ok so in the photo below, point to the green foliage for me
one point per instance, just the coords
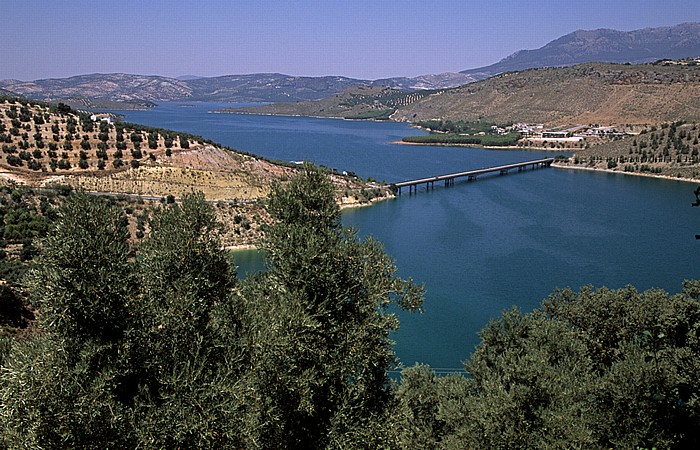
(594, 369)
(60, 386)
(132, 354)
(319, 325)
(379, 114)
(186, 338)
(490, 140)
(83, 279)
(428, 411)
(21, 223)
(459, 126)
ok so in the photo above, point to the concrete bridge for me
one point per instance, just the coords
(449, 179)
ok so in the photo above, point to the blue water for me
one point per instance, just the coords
(479, 247)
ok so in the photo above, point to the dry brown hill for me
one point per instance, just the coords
(43, 145)
(587, 93)
(614, 94)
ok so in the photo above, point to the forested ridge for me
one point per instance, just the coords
(160, 346)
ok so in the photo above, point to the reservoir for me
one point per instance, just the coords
(479, 247)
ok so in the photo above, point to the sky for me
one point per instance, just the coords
(366, 39)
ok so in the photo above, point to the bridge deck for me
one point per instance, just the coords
(544, 162)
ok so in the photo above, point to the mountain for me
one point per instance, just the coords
(101, 104)
(426, 82)
(260, 87)
(587, 93)
(268, 87)
(115, 87)
(603, 45)
(605, 93)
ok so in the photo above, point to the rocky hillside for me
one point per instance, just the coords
(43, 145)
(588, 93)
(603, 45)
(426, 82)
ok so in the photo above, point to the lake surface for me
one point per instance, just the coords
(479, 247)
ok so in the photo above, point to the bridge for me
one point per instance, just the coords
(449, 179)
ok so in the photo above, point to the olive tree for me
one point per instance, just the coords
(318, 325)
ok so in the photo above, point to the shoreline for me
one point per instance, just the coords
(219, 111)
(621, 172)
(342, 206)
(488, 147)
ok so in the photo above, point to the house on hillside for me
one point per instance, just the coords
(101, 118)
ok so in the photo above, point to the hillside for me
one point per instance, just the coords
(364, 102)
(100, 104)
(588, 93)
(426, 82)
(45, 146)
(668, 150)
(115, 87)
(603, 45)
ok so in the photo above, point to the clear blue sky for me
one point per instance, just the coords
(363, 39)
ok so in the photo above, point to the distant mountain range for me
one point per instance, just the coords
(601, 45)
(259, 87)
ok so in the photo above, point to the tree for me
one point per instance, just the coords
(133, 354)
(533, 379)
(318, 325)
(186, 340)
(58, 388)
(593, 369)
